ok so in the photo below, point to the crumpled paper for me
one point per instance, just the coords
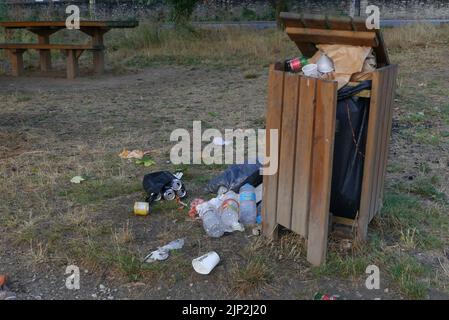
(347, 59)
(77, 179)
(134, 154)
(162, 253)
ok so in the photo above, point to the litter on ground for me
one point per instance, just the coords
(162, 253)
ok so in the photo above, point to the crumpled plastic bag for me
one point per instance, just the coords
(162, 253)
(235, 176)
(347, 60)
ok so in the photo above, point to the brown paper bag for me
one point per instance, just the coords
(347, 60)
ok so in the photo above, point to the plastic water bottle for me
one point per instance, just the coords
(212, 222)
(229, 211)
(248, 207)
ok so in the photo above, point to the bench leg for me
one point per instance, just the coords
(98, 61)
(44, 55)
(43, 37)
(72, 64)
(17, 61)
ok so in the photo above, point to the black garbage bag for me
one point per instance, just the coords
(235, 176)
(154, 183)
(349, 150)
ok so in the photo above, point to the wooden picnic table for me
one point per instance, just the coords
(44, 29)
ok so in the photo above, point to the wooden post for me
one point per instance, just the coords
(17, 61)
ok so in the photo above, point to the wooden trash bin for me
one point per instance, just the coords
(303, 109)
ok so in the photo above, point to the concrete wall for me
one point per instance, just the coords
(226, 9)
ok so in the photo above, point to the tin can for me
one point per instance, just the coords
(176, 184)
(169, 194)
(296, 64)
(158, 197)
(141, 208)
(181, 193)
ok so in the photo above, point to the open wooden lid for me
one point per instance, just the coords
(306, 30)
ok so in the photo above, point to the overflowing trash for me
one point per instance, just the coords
(234, 177)
(220, 214)
(342, 63)
(162, 253)
(206, 263)
(163, 185)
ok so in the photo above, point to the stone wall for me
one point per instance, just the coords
(220, 10)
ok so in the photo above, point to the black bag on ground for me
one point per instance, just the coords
(154, 182)
(349, 150)
(235, 176)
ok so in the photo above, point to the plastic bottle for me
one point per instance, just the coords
(211, 221)
(248, 207)
(229, 213)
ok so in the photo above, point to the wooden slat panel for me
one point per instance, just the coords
(287, 150)
(369, 163)
(303, 161)
(380, 135)
(273, 121)
(321, 21)
(322, 36)
(62, 24)
(391, 77)
(323, 145)
(341, 23)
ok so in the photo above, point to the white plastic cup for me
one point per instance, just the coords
(310, 70)
(206, 263)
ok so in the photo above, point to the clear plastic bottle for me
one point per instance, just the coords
(229, 211)
(248, 207)
(212, 222)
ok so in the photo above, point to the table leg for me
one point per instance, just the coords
(43, 37)
(44, 55)
(97, 40)
(17, 61)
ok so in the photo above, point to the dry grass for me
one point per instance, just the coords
(251, 277)
(151, 44)
(417, 35)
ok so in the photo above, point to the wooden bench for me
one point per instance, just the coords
(71, 51)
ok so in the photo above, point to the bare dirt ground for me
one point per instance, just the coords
(52, 129)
